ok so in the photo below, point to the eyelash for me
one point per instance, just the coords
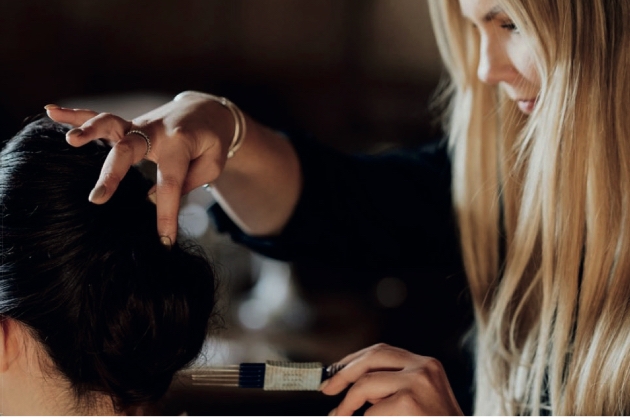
(509, 26)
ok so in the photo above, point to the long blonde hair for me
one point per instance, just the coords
(543, 208)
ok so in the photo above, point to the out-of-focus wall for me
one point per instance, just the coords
(354, 72)
(401, 42)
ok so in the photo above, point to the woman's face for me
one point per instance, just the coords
(505, 57)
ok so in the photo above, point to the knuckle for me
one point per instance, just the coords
(188, 95)
(406, 397)
(363, 381)
(170, 184)
(380, 346)
(104, 124)
(100, 118)
(433, 366)
(124, 147)
(111, 179)
(182, 133)
(429, 371)
(406, 401)
(376, 350)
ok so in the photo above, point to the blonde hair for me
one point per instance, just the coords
(543, 208)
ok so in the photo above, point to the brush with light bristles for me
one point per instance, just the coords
(271, 375)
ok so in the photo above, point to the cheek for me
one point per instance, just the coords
(524, 62)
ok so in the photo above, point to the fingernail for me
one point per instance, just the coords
(323, 385)
(166, 241)
(52, 106)
(97, 193)
(152, 198)
(75, 131)
(332, 413)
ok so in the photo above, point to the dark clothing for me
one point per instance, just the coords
(361, 218)
(390, 210)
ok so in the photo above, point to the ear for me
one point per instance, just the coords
(10, 333)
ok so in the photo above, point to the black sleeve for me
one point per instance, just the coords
(383, 210)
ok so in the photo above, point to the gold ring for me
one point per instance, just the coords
(143, 135)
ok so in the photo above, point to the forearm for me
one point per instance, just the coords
(260, 186)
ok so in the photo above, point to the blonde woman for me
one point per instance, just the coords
(536, 116)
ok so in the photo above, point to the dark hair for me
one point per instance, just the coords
(116, 311)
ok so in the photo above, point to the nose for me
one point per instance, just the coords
(494, 64)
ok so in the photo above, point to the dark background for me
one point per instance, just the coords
(354, 72)
(358, 74)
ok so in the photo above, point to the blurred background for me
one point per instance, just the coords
(354, 72)
(358, 74)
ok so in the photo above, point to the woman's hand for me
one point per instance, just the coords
(190, 137)
(394, 381)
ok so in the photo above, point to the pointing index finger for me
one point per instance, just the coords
(171, 172)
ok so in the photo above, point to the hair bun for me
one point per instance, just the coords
(116, 311)
(145, 321)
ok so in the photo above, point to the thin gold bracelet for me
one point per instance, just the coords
(240, 127)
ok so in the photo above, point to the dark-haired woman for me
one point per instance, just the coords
(96, 315)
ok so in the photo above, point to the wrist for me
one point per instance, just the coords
(239, 124)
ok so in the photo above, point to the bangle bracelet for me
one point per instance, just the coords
(240, 128)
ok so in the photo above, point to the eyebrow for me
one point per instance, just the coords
(492, 13)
